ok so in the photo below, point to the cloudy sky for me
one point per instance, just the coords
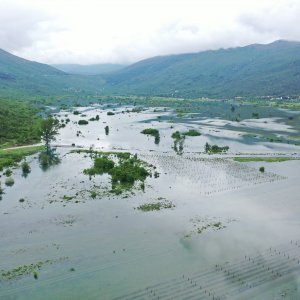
(125, 31)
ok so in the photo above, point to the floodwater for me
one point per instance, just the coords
(105, 248)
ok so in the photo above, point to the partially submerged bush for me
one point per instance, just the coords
(262, 169)
(9, 181)
(25, 167)
(8, 172)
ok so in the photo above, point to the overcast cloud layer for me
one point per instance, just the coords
(125, 31)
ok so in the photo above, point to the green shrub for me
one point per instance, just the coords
(262, 169)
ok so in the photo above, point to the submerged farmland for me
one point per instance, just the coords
(125, 214)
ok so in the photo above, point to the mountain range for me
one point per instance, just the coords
(254, 70)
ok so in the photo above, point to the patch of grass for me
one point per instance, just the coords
(264, 159)
(155, 206)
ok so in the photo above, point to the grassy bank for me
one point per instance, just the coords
(11, 157)
(264, 159)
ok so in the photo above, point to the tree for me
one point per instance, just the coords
(106, 130)
(49, 130)
(207, 147)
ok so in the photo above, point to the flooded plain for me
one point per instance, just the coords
(231, 231)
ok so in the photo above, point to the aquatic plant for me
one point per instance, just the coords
(155, 206)
(262, 169)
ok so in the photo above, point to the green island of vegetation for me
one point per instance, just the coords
(124, 168)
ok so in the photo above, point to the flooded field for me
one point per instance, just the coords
(195, 225)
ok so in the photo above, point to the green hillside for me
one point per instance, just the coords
(255, 70)
(21, 77)
(96, 69)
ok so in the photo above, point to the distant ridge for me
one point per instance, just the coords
(254, 70)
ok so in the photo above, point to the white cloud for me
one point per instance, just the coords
(124, 31)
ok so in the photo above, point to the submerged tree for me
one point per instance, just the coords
(49, 130)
